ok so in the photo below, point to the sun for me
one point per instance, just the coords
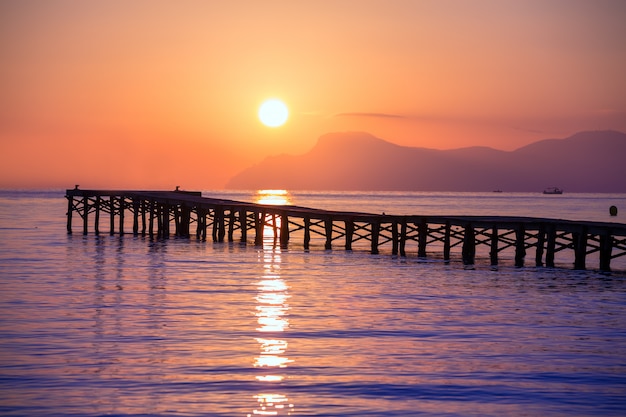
(273, 113)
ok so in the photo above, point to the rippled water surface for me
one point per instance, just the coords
(109, 325)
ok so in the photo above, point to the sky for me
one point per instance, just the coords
(153, 94)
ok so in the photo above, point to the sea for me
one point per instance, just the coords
(132, 326)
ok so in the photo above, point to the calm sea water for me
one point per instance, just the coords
(103, 325)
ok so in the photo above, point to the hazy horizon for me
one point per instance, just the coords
(153, 94)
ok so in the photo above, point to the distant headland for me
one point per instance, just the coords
(591, 161)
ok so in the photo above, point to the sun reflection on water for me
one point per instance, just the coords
(273, 197)
(272, 311)
(272, 221)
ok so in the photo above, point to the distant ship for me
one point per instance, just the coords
(553, 190)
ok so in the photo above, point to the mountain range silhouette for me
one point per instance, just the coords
(593, 161)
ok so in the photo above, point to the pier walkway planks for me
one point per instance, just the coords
(159, 214)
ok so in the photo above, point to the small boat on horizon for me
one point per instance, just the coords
(553, 190)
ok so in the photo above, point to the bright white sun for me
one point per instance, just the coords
(273, 113)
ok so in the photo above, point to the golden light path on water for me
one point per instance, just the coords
(275, 197)
(272, 313)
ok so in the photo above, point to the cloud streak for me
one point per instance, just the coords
(374, 115)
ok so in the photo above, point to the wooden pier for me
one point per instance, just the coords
(161, 214)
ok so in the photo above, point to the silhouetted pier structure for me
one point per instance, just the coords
(159, 214)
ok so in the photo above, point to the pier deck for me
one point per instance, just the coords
(160, 214)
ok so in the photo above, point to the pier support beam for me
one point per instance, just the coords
(144, 208)
(135, 216)
(232, 217)
(243, 224)
(422, 235)
(375, 235)
(85, 214)
(111, 215)
(284, 230)
(403, 237)
(469, 246)
(184, 221)
(606, 245)
(221, 224)
(307, 232)
(122, 215)
(70, 210)
(259, 225)
(493, 251)
(349, 224)
(394, 238)
(152, 209)
(165, 221)
(580, 248)
(274, 227)
(328, 227)
(446, 242)
(541, 241)
(520, 246)
(159, 217)
(96, 223)
(550, 245)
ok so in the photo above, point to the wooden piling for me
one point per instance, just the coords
(394, 238)
(112, 215)
(221, 227)
(550, 245)
(185, 220)
(70, 210)
(493, 252)
(307, 232)
(349, 226)
(274, 226)
(469, 245)
(520, 245)
(159, 217)
(606, 246)
(151, 219)
(580, 248)
(403, 237)
(375, 235)
(541, 241)
(328, 228)
(232, 217)
(135, 216)
(165, 221)
(144, 208)
(96, 222)
(122, 206)
(85, 215)
(243, 224)
(446, 241)
(284, 230)
(259, 225)
(422, 236)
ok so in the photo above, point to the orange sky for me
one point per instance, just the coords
(153, 94)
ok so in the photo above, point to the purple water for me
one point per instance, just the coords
(103, 325)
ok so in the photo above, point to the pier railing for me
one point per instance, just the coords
(161, 214)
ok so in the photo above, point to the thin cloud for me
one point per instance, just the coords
(377, 115)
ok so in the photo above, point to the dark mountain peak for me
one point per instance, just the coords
(595, 135)
(586, 138)
(585, 162)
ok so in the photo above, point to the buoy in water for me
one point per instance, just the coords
(613, 211)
